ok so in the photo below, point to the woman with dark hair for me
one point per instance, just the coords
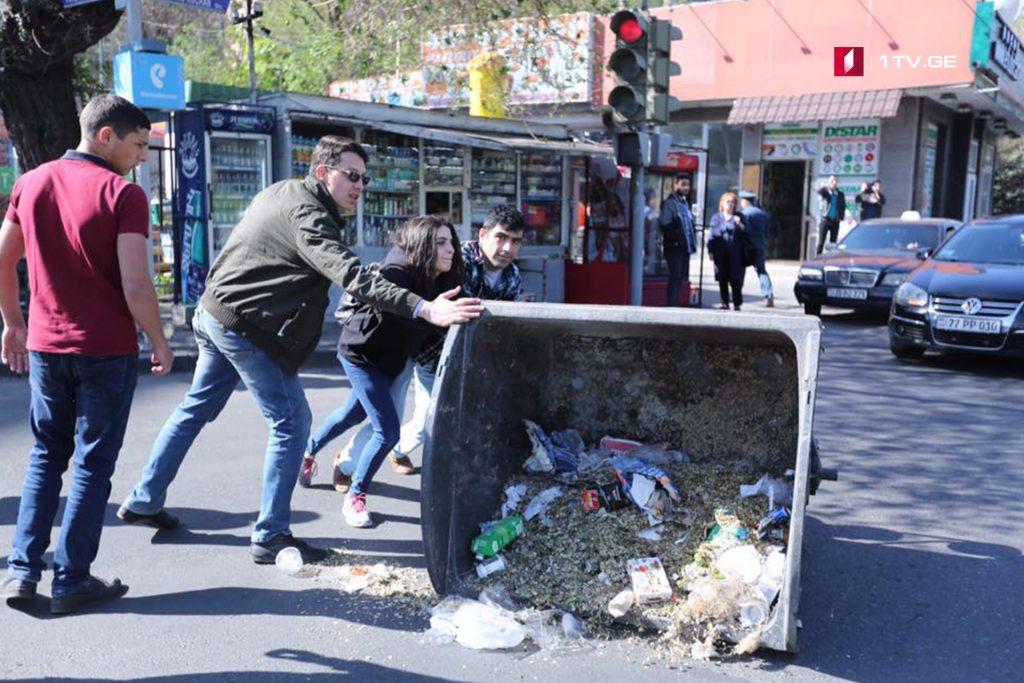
(374, 347)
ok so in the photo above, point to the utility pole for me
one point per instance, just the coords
(133, 10)
(253, 11)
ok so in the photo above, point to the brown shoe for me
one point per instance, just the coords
(342, 481)
(401, 464)
(769, 302)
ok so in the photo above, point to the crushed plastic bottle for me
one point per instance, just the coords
(289, 560)
(499, 535)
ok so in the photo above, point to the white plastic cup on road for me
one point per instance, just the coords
(289, 560)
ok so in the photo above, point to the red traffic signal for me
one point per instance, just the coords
(628, 26)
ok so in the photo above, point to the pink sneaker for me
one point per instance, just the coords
(308, 471)
(355, 511)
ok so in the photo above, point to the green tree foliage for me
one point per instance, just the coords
(1008, 182)
(303, 45)
(39, 40)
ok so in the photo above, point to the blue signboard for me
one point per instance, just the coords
(212, 5)
(240, 121)
(191, 152)
(150, 81)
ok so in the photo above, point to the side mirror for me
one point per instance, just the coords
(923, 253)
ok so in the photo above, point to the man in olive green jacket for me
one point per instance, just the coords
(260, 319)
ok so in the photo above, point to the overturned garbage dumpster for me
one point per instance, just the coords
(591, 459)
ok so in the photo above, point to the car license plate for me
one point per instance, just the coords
(958, 324)
(843, 293)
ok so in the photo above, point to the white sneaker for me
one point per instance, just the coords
(355, 512)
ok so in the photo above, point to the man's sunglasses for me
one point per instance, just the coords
(353, 176)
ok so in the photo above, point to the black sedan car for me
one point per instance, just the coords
(968, 296)
(865, 268)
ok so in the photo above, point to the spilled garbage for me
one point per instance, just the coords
(626, 535)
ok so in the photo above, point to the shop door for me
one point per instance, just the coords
(783, 189)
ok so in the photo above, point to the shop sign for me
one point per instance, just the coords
(1006, 49)
(681, 162)
(931, 149)
(789, 141)
(236, 121)
(548, 61)
(150, 80)
(850, 148)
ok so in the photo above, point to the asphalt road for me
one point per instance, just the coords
(912, 566)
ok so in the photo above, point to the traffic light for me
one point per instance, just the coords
(628, 99)
(660, 70)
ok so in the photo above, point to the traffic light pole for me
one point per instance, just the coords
(636, 235)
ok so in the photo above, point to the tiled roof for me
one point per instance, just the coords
(818, 107)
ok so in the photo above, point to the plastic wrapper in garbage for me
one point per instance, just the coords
(624, 466)
(742, 561)
(513, 496)
(778, 492)
(541, 502)
(550, 454)
(485, 627)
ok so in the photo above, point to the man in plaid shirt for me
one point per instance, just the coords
(491, 273)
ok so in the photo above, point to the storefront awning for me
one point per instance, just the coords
(817, 107)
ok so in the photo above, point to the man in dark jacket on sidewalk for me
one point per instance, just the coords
(755, 222)
(679, 238)
(833, 210)
(260, 319)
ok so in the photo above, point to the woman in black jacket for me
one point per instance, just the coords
(374, 347)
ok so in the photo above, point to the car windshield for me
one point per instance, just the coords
(985, 243)
(890, 237)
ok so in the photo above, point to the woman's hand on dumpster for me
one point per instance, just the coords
(446, 310)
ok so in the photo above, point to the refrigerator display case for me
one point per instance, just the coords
(223, 161)
(239, 169)
(541, 202)
(493, 182)
(393, 194)
(444, 183)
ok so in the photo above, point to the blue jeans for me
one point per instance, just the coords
(370, 397)
(80, 406)
(348, 456)
(678, 261)
(762, 272)
(225, 357)
(414, 429)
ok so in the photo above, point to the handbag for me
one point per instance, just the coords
(749, 250)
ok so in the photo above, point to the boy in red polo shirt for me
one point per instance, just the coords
(83, 231)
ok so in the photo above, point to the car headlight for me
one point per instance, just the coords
(893, 279)
(911, 296)
(809, 273)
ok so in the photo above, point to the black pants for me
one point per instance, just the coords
(730, 272)
(678, 261)
(829, 226)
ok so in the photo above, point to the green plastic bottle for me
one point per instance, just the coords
(491, 542)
